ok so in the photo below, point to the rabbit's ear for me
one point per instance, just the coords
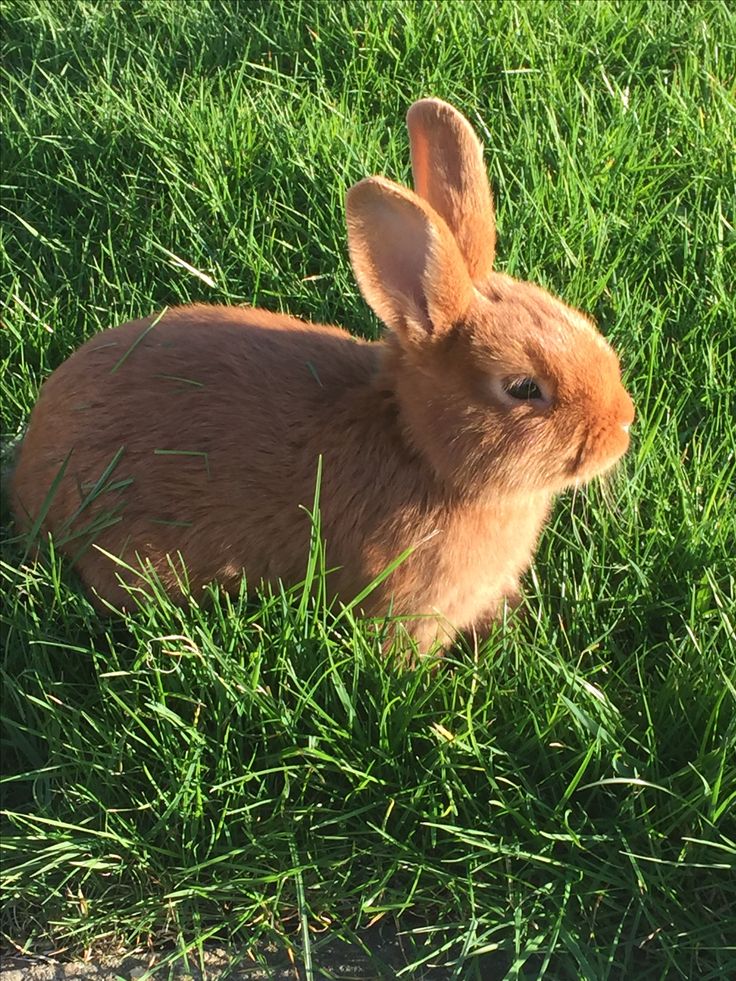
(449, 173)
(407, 263)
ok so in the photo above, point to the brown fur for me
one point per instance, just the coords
(219, 416)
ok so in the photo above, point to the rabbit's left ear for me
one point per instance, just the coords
(406, 261)
(449, 173)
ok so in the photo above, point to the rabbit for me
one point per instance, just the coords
(190, 440)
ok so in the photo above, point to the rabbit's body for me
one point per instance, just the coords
(447, 439)
(216, 461)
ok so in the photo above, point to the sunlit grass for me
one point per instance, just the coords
(558, 803)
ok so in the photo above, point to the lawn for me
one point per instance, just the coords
(558, 803)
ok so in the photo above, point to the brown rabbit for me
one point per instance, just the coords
(195, 435)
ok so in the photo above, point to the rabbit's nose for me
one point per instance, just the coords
(627, 412)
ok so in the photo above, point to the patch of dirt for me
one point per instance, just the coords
(335, 961)
(383, 953)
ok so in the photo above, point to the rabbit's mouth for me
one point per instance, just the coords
(608, 451)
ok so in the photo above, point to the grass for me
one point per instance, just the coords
(559, 803)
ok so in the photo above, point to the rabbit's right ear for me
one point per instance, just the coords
(406, 261)
(449, 173)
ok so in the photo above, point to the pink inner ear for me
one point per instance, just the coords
(448, 166)
(400, 252)
(444, 190)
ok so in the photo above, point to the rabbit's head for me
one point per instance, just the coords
(500, 385)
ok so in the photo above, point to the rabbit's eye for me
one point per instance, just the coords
(524, 389)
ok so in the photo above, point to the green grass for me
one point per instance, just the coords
(559, 803)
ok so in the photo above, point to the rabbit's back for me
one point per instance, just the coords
(198, 434)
